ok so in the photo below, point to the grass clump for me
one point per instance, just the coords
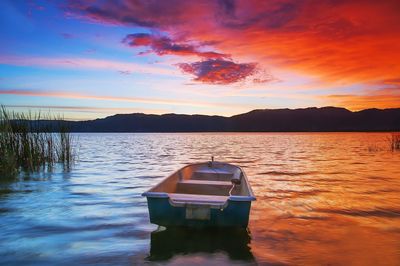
(394, 141)
(31, 143)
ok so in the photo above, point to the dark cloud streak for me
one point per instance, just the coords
(215, 68)
(219, 71)
(172, 20)
(162, 45)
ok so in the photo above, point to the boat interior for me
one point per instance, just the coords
(212, 182)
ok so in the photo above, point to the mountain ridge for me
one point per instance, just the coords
(311, 119)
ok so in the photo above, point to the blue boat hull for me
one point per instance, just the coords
(235, 214)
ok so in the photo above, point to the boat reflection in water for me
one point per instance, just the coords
(166, 243)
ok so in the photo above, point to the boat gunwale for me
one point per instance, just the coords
(250, 197)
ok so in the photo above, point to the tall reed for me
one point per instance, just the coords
(395, 141)
(30, 142)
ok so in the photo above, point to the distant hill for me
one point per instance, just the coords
(268, 120)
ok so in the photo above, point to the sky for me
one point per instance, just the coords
(91, 59)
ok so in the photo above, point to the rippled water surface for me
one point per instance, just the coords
(322, 198)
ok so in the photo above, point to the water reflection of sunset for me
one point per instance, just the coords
(323, 200)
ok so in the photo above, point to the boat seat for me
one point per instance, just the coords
(212, 174)
(213, 171)
(180, 198)
(203, 187)
(205, 182)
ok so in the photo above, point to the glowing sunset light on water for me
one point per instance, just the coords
(226, 56)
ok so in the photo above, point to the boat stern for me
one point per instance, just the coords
(174, 210)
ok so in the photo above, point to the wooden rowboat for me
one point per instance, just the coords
(202, 194)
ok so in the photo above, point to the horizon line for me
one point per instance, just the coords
(194, 114)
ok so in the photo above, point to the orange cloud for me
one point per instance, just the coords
(383, 98)
(347, 41)
(341, 42)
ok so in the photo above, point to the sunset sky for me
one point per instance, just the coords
(90, 59)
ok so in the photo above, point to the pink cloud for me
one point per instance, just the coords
(90, 109)
(126, 72)
(70, 95)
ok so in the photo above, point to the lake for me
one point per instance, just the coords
(322, 198)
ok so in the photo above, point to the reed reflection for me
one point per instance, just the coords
(170, 242)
